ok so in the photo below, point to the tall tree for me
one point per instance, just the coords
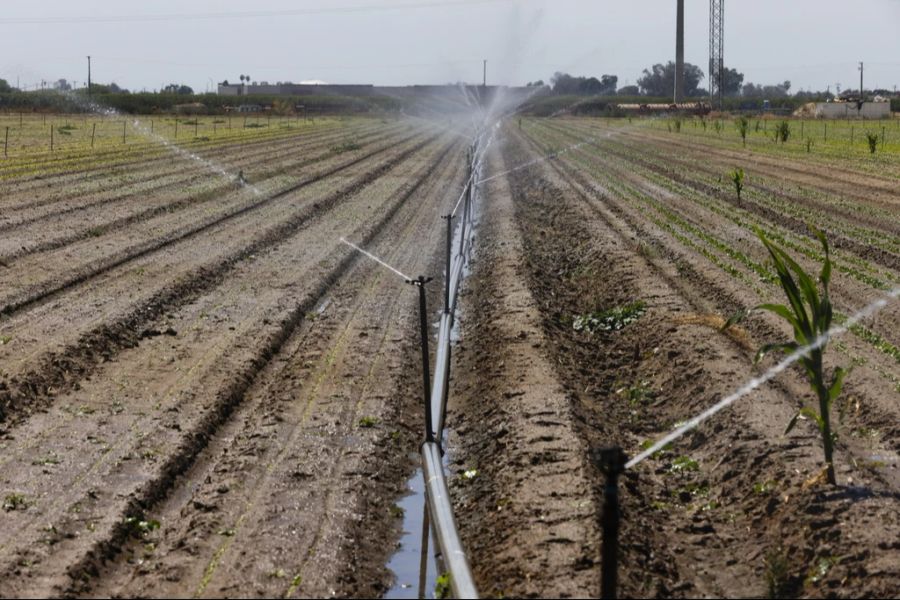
(659, 80)
(733, 82)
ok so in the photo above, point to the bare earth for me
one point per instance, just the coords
(204, 393)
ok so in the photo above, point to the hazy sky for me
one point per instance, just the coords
(813, 43)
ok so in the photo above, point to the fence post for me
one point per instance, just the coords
(426, 373)
(93, 131)
(196, 126)
(124, 124)
(176, 128)
(6, 143)
(51, 138)
(612, 463)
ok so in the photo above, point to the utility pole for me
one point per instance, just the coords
(679, 53)
(860, 81)
(89, 74)
(859, 106)
(484, 75)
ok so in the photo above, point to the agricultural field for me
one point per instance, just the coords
(607, 271)
(204, 392)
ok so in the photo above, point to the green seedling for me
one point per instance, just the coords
(737, 177)
(612, 319)
(777, 574)
(783, 131)
(810, 314)
(872, 139)
(743, 125)
(139, 526)
(684, 464)
(366, 422)
(14, 502)
(764, 487)
(442, 586)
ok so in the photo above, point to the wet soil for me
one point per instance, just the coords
(736, 508)
(226, 412)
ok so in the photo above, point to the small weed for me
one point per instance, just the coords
(139, 526)
(470, 474)
(777, 573)
(638, 393)
(612, 319)
(296, 581)
(397, 512)
(442, 586)
(14, 502)
(47, 460)
(821, 568)
(227, 532)
(347, 146)
(764, 487)
(5, 339)
(278, 574)
(684, 464)
(808, 145)
(665, 450)
(366, 422)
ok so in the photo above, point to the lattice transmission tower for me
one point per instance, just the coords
(716, 52)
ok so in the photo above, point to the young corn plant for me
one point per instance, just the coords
(872, 138)
(737, 177)
(743, 125)
(809, 313)
(783, 131)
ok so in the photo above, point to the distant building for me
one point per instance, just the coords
(295, 89)
(848, 110)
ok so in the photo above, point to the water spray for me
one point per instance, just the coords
(767, 376)
(406, 278)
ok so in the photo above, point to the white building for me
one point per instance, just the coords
(850, 110)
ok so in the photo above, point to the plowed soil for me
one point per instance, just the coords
(736, 508)
(204, 392)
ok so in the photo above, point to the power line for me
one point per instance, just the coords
(70, 20)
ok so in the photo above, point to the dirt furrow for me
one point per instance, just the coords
(25, 290)
(715, 510)
(96, 219)
(75, 200)
(203, 404)
(47, 372)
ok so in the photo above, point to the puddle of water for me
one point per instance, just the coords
(406, 562)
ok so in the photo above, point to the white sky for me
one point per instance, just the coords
(813, 43)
